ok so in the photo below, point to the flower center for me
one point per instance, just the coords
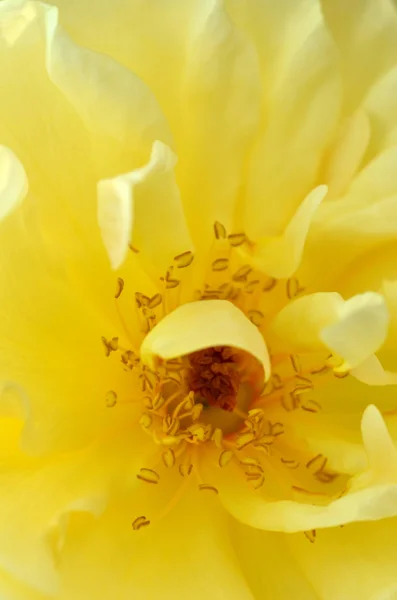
(214, 377)
(214, 390)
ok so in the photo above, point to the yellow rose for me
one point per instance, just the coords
(198, 290)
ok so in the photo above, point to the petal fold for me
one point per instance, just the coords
(144, 207)
(199, 325)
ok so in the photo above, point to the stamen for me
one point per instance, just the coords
(184, 260)
(311, 535)
(120, 287)
(140, 522)
(225, 458)
(111, 399)
(168, 458)
(219, 230)
(148, 475)
(206, 487)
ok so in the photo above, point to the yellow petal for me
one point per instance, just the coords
(144, 207)
(199, 325)
(79, 481)
(365, 33)
(14, 589)
(353, 329)
(301, 114)
(108, 97)
(301, 321)
(280, 256)
(349, 563)
(372, 372)
(187, 554)
(347, 153)
(360, 330)
(13, 181)
(382, 112)
(219, 118)
(371, 495)
(269, 567)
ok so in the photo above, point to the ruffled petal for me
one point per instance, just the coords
(79, 481)
(353, 329)
(370, 495)
(185, 555)
(199, 325)
(270, 568)
(220, 101)
(365, 33)
(301, 114)
(144, 207)
(351, 563)
(280, 256)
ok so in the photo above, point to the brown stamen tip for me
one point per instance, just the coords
(214, 377)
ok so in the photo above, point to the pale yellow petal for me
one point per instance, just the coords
(144, 207)
(300, 322)
(121, 29)
(360, 330)
(199, 325)
(187, 554)
(353, 329)
(14, 589)
(110, 99)
(33, 532)
(219, 117)
(347, 153)
(383, 113)
(372, 372)
(356, 562)
(365, 32)
(51, 334)
(300, 119)
(271, 570)
(280, 256)
(370, 495)
(13, 181)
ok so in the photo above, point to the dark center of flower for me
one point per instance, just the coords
(214, 377)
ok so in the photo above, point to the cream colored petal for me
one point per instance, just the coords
(301, 115)
(199, 325)
(111, 100)
(355, 562)
(365, 32)
(33, 532)
(271, 570)
(370, 496)
(347, 153)
(372, 372)
(347, 248)
(188, 554)
(115, 218)
(219, 116)
(360, 330)
(353, 329)
(382, 113)
(146, 37)
(14, 589)
(280, 256)
(300, 322)
(144, 207)
(13, 181)
(50, 347)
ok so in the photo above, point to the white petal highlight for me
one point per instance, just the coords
(13, 182)
(144, 207)
(360, 330)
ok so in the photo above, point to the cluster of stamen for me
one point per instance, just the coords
(178, 395)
